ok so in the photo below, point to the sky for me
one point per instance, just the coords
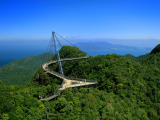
(131, 22)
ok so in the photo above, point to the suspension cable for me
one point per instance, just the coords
(58, 41)
(67, 40)
(46, 51)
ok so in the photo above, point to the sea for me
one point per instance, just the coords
(134, 52)
(8, 55)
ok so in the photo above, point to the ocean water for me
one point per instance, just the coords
(9, 55)
(135, 53)
(12, 50)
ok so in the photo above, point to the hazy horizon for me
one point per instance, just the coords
(141, 43)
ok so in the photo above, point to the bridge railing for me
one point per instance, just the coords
(53, 61)
(71, 78)
(79, 79)
(77, 85)
(56, 73)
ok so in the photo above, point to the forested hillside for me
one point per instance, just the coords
(137, 59)
(126, 90)
(19, 72)
(156, 49)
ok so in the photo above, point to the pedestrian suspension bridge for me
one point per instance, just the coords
(68, 82)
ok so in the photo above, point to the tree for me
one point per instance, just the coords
(5, 116)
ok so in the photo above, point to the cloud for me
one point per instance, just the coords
(134, 38)
(64, 37)
(73, 37)
(89, 39)
(157, 38)
(123, 38)
(147, 48)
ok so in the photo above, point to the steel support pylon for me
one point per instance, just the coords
(58, 56)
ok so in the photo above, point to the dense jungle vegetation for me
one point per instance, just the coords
(126, 90)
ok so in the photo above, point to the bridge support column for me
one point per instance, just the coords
(88, 90)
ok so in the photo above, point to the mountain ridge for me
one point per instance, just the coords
(101, 46)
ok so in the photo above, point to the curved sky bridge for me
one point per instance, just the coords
(69, 82)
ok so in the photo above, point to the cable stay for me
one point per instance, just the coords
(57, 54)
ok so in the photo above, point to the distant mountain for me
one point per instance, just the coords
(101, 46)
(147, 48)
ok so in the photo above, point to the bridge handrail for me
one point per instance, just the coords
(71, 78)
(69, 59)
